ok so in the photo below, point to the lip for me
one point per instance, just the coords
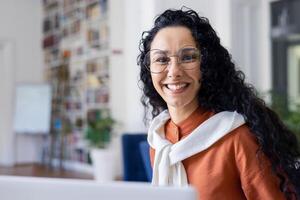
(176, 88)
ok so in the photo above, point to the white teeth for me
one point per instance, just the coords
(176, 86)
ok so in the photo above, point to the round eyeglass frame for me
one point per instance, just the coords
(148, 61)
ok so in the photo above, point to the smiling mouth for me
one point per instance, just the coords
(177, 88)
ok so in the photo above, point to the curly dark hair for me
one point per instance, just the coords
(223, 88)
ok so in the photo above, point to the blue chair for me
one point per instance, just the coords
(133, 165)
(144, 148)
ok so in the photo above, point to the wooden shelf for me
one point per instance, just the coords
(68, 67)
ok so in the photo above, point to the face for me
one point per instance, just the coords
(176, 84)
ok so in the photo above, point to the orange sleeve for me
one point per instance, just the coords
(152, 154)
(257, 179)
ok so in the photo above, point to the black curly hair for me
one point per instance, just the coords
(223, 88)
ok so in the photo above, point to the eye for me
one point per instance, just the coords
(191, 57)
(162, 59)
(188, 55)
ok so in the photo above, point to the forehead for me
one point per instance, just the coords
(173, 38)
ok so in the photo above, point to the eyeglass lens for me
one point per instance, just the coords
(186, 57)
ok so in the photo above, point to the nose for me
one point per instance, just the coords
(174, 69)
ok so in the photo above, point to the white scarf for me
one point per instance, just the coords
(168, 168)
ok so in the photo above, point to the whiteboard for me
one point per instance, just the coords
(32, 108)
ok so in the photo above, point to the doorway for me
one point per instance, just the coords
(293, 75)
(285, 33)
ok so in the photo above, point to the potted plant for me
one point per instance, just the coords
(98, 134)
(99, 129)
(292, 121)
(290, 117)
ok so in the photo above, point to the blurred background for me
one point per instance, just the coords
(69, 80)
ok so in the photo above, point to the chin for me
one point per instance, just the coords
(177, 105)
(182, 103)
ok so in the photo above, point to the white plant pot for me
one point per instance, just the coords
(103, 164)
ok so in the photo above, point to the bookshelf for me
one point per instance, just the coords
(77, 59)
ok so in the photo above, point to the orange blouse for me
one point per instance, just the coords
(229, 169)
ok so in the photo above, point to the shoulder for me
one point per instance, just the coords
(250, 161)
(246, 146)
(257, 178)
(242, 140)
(243, 146)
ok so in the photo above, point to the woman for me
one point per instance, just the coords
(209, 129)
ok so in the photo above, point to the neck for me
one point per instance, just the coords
(179, 114)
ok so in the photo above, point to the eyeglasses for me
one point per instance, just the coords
(187, 57)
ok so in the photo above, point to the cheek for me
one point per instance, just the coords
(199, 77)
(195, 75)
(155, 82)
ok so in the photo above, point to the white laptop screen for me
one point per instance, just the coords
(29, 188)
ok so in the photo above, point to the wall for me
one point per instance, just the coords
(135, 15)
(129, 20)
(21, 26)
(217, 11)
(6, 103)
(251, 41)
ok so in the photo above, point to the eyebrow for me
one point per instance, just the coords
(184, 47)
(158, 51)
